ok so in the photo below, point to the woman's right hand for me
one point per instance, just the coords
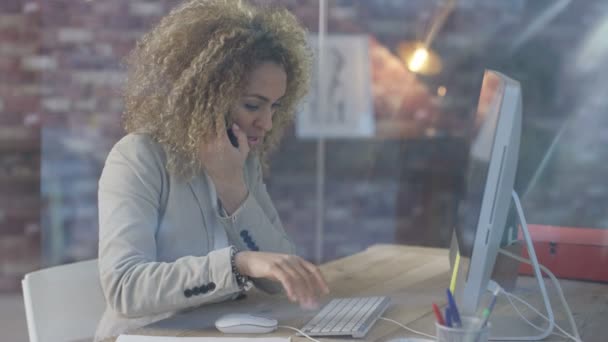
(302, 281)
(223, 162)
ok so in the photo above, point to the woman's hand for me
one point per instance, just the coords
(224, 164)
(222, 161)
(302, 281)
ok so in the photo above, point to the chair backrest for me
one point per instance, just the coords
(63, 303)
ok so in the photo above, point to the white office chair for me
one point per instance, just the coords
(63, 303)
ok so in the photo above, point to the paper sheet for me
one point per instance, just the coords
(140, 338)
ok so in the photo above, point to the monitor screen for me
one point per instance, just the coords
(486, 198)
(483, 136)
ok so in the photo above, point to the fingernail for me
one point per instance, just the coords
(235, 126)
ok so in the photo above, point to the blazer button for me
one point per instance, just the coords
(196, 291)
(188, 293)
(211, 286)
(247, 239)
(204, 289)
(244, 233)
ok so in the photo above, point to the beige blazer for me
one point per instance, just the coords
(156, 252)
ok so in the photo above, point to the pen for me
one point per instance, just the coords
(484, 322)
(453, 310)
(448, 317)
(485, 316)
(438, 314)
(488, 311)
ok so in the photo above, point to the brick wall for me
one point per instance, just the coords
(60, 110)
(87, 41)
(20, 73)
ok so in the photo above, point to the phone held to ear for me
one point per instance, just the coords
(233, 140)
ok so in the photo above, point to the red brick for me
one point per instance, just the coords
(21, 104)
(9, 65)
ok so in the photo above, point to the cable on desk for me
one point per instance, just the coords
(576, 337)
(495, 287)
(407, 328)
(565, 333)
(382, 318)
(300, 331)
(524, 317)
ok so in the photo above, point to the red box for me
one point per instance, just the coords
(575, 253)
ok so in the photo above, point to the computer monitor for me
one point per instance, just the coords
(483, 207)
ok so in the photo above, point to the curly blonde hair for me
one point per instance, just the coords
(184, 75)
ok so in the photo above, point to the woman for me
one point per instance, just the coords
(185, 218)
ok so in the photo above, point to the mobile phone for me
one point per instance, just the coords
(233, 140)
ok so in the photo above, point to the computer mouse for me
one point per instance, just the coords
(241, 323)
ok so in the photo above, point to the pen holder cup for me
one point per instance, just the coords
(471, 331)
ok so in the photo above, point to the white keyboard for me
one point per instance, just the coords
(347, 317)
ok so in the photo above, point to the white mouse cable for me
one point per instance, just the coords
(407, 328)
(298, 330)
(383, 318)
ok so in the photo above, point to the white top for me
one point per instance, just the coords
(220, 239)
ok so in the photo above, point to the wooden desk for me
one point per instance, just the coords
(414, 277)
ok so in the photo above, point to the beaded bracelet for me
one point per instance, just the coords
(242, 281)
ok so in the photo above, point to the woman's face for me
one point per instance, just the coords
(253, 111)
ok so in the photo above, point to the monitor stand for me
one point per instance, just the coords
(537, 274)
